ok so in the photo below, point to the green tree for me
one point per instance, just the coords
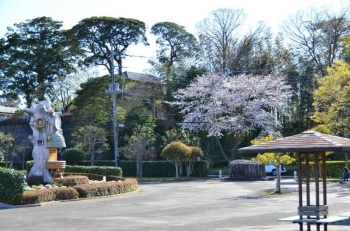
(176, 152)
(65, 89)
(331, 100)
(196, 154)
(100, 36)
(92, 104)
(34, 54)
(73, 156)
(179, 134)
(174, 45)
(92, 140)
(7, 143)
(272, 158)
(141, 144)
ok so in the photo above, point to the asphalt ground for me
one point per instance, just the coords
(202, 205)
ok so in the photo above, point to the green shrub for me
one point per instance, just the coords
(71, 180)
(219, 164)
(110, 163)
(101, 170)
(128, 168)
(38, 196)
(73, 156)
(176, 151)
(12, 183)
(35, 180)
(29, 165)
(46, 195)
(334, 169)
(92, 176)
(66, 193)
(106, 189)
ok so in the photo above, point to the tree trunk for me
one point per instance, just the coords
(139, 166)
(92, 158)
(177, 170)
(278, 180)
(221, 149)
(346, 157)
(180, 168)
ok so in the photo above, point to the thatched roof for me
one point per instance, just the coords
(308, 141)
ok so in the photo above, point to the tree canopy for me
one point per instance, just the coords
(100, 36)
(219, 105)
(331, 99)
(87, 139)
(174, 45)
(33, 55)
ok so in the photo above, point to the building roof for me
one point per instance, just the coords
(308, 141)
(141, 77)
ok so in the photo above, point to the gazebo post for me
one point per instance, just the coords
(324, 184)
(307, 173)
(308, 143)
(317, 187)
(300, 189)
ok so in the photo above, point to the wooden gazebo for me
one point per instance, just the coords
(305, 145)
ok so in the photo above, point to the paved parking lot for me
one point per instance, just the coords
(211, 205)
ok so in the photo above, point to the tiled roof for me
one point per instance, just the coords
(9, 110)
(308, 141)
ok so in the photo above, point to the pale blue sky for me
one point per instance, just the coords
(183, 12)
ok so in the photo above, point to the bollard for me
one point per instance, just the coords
(104, 179)
(295, 175)
(220, 174)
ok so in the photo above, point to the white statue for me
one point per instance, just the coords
(47, 133)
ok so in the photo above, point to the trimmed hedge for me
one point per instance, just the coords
(94, 189)
(101, 170)
(334, 169)
(106, 189)
(46, 195)
(71, 180)
(153, 168)
(16, 164)
(94, 176)
(12, 183)
(128, 168)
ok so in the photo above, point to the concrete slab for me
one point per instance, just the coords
(201, 205)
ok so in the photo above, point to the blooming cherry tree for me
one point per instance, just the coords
(222, 105)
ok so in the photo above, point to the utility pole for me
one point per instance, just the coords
(114, 89)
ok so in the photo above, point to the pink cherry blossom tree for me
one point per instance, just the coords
(222, 105)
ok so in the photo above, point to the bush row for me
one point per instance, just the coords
(71, 180)
(92, 176)
(153, 168)
(45, 195)
(12, 183)
(100, 170)
(334, 169)
(16, 164)
(106, 188)
(74, 187)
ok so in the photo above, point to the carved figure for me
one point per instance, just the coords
(47, 134)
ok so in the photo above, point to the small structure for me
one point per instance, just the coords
(246, 170)
(306, 144)
(47, 137)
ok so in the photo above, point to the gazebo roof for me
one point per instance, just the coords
(308, 141)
